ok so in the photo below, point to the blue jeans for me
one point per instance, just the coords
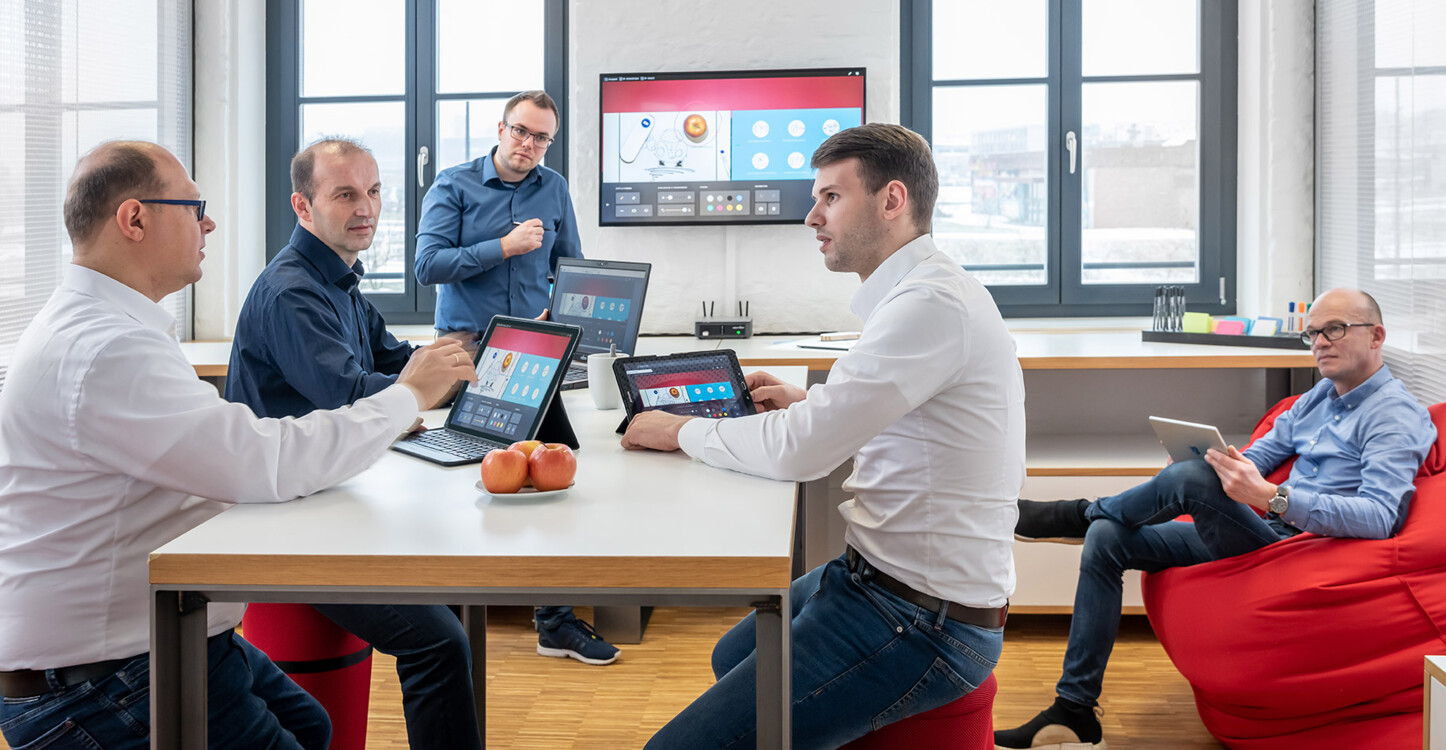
(434, 663)
(1134, 531)
(863, 658)
(249, 704)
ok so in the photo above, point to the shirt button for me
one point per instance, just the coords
(1338, 417)
(1312, 442)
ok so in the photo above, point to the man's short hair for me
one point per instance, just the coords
(1372, 310)
(107, 176)
(888, 152)
(303, 165)
(538, 99)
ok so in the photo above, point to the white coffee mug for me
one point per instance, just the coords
(601, 382)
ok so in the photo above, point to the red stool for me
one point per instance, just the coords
(325, 660)
(965, 724)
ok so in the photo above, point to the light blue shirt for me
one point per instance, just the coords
(459, 242)
(1359, 454)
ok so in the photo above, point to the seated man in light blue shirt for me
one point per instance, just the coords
(491, 232)
(1361, 438)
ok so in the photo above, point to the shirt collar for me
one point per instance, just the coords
(138, 306)
(888, 275)
(325, 260)
(1355, 396)
(489, 171)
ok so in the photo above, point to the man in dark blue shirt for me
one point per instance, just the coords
(307, 339)
(492, 230)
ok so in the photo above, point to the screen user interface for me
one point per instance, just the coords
(514, 372)
(604, 302)
(719, 148)
(702, 386)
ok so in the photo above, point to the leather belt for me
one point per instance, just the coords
(27, 683)
(978, 616)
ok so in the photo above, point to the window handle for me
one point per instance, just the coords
(422, 158)
(1071, 145)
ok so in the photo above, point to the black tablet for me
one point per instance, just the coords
(694, 384)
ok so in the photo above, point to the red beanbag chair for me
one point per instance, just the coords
(1314, 642)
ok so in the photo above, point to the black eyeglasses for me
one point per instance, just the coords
(200, 206)
(521, 134)
(1332, 332)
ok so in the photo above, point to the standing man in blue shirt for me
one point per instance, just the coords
(306, 340)
(492, 230)
(1361, 438)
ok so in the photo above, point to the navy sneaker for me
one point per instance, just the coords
(1060, 521)
(577, 639)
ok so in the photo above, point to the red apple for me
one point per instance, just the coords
(526, 446)
(552, 466)
(503, 472)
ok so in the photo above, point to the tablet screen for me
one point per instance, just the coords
(518, 367)
(705, 384)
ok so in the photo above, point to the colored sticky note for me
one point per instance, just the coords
(1197, 322)
(1230, 328)
(1265, 327)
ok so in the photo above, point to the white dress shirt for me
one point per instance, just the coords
(108, 445)
(930, 404)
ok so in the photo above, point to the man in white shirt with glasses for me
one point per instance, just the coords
(110, 446)
(930, 405)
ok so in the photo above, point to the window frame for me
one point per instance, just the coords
(283, 94)
(1063, 294)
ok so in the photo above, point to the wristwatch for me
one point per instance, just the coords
(1281, 502)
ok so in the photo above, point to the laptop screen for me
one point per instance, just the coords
(519, 367)
(602, 297)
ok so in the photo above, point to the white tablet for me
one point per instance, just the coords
(1187, 440)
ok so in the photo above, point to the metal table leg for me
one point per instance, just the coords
(774, 694)
(474, 621)
(178, 671)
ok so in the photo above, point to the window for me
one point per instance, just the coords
(1381, 172)
(423, 89)
(74, 73)
(1086, 148)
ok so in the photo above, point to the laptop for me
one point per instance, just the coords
(694, 384)
(519, 366)
(605, 299)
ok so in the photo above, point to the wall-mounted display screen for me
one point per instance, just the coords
(719, 148)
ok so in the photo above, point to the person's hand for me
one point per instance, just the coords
(1240, 478)
(543, 316)
(769, 393)
(656, 430)
(434, 369)
(524, 238)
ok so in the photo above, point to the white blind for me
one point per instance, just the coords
(1381, 172)
(74, 73)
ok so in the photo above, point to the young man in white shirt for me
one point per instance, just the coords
(930, 405)
(110, 446)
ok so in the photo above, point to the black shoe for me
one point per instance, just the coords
(1060, 521)
(575, 638)
(1059, 727)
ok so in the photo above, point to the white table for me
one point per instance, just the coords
(636, 528)
(1434, 724)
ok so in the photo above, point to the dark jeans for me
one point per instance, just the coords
(250, 704)
(434, 663)
(862, 658)
(1134, 531)
(552, 618)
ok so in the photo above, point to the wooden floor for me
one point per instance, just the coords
(536, 702)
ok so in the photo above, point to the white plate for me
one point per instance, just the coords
(528, 493)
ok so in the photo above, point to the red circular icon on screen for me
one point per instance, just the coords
(673, 392)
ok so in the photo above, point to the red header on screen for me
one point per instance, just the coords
(733, 93)
(549, 345)
(679, 379)
(599, 286)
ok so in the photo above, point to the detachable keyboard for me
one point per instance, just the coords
(447, 447)
(575, 377)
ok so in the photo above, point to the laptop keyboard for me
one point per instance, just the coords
(456, 444)
(575, 371)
